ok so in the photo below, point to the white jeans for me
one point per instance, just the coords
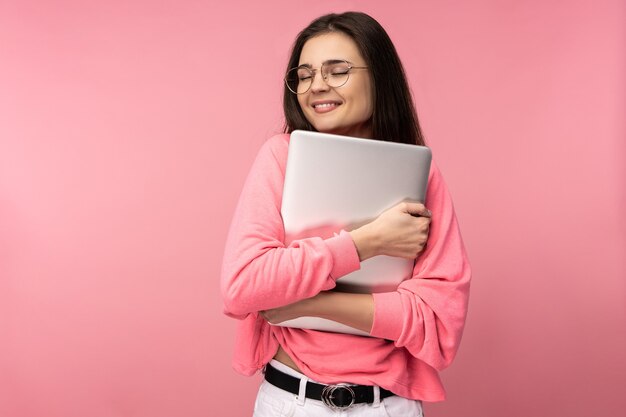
(272, 401)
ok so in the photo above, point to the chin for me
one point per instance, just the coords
(344, 131)
(334, 129)
(335, 132)
(359, 129)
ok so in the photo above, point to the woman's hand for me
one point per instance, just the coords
(401, 231)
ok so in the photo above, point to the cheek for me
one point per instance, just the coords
(371, 99)
(302, 103)
(366, 107)
(366, 98)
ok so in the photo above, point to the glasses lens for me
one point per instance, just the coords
(299, 79)
(336, 73)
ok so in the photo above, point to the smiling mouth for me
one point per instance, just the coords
(325, 107)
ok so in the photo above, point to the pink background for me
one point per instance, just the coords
(127, 129)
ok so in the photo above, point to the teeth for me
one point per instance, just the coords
(326, 105)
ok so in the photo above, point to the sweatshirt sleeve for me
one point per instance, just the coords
(258, 271)
(426, 315)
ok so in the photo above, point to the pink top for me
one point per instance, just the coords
(417, 329)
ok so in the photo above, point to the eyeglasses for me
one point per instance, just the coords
(334, 73)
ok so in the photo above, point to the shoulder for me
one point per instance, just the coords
(273, 153)
(437, 190)
(434, 176)
(277, 144)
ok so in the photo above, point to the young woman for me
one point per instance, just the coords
(344, 77)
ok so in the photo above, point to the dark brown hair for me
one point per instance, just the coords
(394, 118)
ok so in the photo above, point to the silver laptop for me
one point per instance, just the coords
(337, 182)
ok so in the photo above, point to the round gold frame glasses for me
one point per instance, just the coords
(335, 73)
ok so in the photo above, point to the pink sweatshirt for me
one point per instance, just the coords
(417, 329)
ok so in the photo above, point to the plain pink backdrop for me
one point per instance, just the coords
(128, 127)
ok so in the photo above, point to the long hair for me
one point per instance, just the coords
(394, 118)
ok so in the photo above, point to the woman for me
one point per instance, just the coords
(344, 77)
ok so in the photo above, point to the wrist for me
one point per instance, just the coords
(366, 242)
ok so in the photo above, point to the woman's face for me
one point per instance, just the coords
(345, 110)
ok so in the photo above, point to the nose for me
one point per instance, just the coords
(318, 83)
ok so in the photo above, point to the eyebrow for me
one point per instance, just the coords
(328, 61)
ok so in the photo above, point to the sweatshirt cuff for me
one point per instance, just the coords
(387, 315)
(345, 256)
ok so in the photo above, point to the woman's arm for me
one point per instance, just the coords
(354, 310)
(403, 236)
(259, 271)
(426, 315)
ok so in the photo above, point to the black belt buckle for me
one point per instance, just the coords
(342, 393)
